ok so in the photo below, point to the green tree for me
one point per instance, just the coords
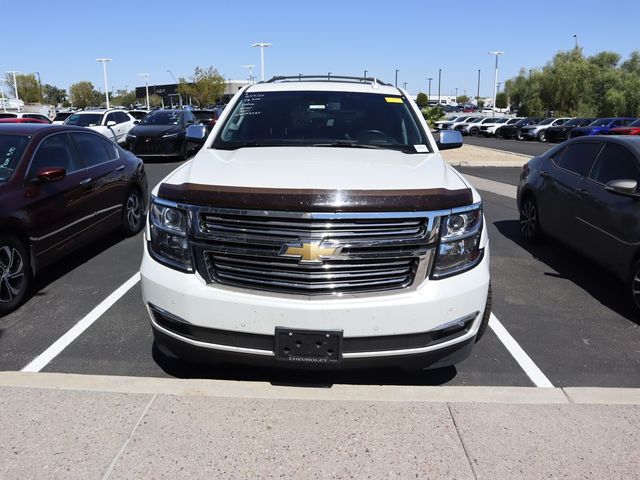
(502, 101)
(53, 95)
(206, 86)
(28, 87)
(462, 99)
(422, 100)
(82, 94)
(155, 100)
(432, 115)
(124, 98)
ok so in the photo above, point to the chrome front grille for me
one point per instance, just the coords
(369, 252)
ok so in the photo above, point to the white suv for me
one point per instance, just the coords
(113, 124)
(318, 226)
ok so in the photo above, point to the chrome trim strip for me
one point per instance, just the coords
(94, 214)
(634, 244)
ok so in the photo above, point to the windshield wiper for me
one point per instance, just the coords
(350, 144)
(252, 143)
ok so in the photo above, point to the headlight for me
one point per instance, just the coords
(170, 135)
(459, 248)
(169, 243)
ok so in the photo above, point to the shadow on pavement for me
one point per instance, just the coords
(302, 378)
(601, 284)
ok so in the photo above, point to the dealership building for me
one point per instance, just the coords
(171, 98)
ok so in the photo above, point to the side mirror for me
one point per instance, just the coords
(628, 188)
(50, 174)
(111, 123)
(449, 139)
(196, 134)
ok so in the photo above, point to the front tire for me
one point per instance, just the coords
(473, 132)
(542, 136)
(498, 133)
(519, 135)
(15, 273)
(530, 220)
(634, 285)
(133, 213)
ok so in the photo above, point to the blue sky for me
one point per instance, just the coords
(344, 37)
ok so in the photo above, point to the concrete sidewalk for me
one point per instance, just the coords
(74, 426)
(472, 156)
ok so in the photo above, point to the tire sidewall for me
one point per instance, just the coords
(13, 242)
(536, 234)
(128, 229)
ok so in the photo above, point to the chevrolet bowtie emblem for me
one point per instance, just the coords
(308, 252)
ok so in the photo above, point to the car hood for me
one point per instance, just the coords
(155, 130)
(322, 168)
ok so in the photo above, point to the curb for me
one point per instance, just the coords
(368, 393)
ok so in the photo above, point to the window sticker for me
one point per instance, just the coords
(393, 100)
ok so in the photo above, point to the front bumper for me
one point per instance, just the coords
(435, 324)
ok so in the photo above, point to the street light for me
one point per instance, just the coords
(404, 85)
(456, 95)
(365, 74)
(15, 86)
(397, 77)
(4, 105)
(429, 94)
(575, 36)
(104, 71)
(439, 80)
(250, 67)
(178, 87)
(262, 46)
(495, 79)
(146, 85)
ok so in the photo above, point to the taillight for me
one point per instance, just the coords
(635, 131)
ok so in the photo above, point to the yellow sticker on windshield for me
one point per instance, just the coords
(393, 99)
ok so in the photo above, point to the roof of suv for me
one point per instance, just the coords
(325, 83)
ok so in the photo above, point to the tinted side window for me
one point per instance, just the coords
(121, 117)
(615, 163)
(111, 118)
(578, 157)
(54, 151)
(93, 150)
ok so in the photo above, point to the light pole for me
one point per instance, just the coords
(575, 36)
(15, 86)
(478, 94)
(439, 81)
(177, 86)
(429, 94)
(495, 79)
(106, 82)
(4, 105)
(397, 77)
(146, 85)
(404, 85)
(456, 95)
(250, 67)
(365, 74)
(262, 46)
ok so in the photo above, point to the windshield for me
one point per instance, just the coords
(11, 148)
(573, 123)
(137, 114)
(547, 121)
(61, 117)
(161, 117)
(205, 115)
(8, 115)
(331, 119)
(84, 119)
(501, 120)
(511, 121)
(600, 122)
(635, 123)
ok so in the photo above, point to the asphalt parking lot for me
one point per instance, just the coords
(523, 147)
(566, 322)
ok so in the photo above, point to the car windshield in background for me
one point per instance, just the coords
(60, 117)
(600, 122)
(635, 123)
(501, 120)
(137, 115)
(161, 118)
(573, 123)
(331, 119)
(84, 119)
(11, 148)
(8, 115)
(547, 121)
(205, 115)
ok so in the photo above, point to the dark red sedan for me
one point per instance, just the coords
(631, 129)
(60, 187)
(23, 120)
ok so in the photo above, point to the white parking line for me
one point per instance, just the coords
(64, 341)
(538, 378)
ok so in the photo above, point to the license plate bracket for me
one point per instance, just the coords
(308, 346)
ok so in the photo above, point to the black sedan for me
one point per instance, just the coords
(585, 192)
(513, 131)
(562, 132)
(161, 133)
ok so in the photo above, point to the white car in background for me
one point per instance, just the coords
(473, 128)
(447, 122)
(113, 124)
(489, 129)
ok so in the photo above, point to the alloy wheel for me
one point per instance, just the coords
(528, 219)
(11, 273)
(134, 210)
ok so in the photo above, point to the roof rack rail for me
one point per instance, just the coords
(326, 78)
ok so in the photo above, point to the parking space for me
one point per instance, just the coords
(569, 317)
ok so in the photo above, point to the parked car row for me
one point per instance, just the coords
(538, 128)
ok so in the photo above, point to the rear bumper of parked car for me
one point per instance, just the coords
(433, 325)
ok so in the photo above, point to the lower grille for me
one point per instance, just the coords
(152, 146)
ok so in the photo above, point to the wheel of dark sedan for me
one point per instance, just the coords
(542, 136)
(634, 283)
(15, 273)
(132, 213)
(184, 151)
(498, 133)
(530, 219)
